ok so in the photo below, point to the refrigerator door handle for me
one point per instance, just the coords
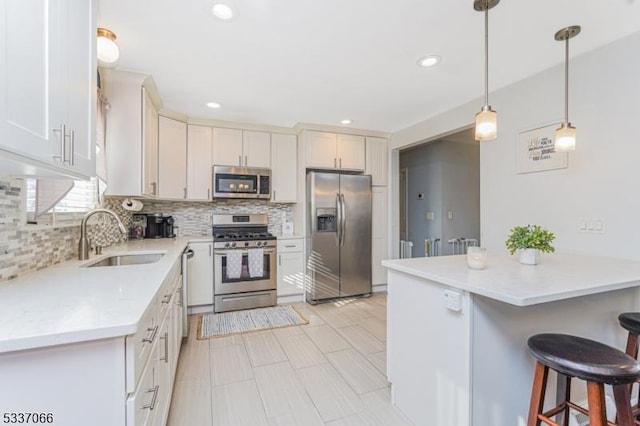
(343, 219)
(338, 220)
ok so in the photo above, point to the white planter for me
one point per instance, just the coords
(529, 256)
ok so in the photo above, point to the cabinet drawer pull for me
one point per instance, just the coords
(149, 339)
(166, 298)
(165, 358)
(290, 246)
(153, 399)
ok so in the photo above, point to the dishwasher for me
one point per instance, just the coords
(186, 255)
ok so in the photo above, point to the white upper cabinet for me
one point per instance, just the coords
(350, 152)
(257, 149)
(325, 150)
(242, 148)
(284, 169)
(199, 162)
(132, 134)
(227, 147)
(48, 84)
(377, 159)
(149, 146)
(172, 159)
(320, 150)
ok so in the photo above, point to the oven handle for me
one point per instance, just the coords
(223, 252)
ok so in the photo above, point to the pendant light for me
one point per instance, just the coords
(565, 138)
(486, 119)
(108, 51)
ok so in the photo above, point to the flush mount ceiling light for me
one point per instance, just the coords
(486, 119)
(346, 121)
(213, 105)
(565, 138)
(429, 61)
(107, 49)
(222, 11)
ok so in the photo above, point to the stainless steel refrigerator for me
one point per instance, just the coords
(338, 236)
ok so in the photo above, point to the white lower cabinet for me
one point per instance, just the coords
(200, 286)
(290, 266)
(121, 381)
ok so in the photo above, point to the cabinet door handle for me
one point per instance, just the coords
(165, 358)
(166, 298)
(208, 193)
(246, 160)
(209, 250)
(72, 145)
(153, 185)
(335, 163)
(341, 163)
(149, 339)
(185, 193)
(279, 260)
(62, 133)
(240, 160)
(274, 194)
(152, 405)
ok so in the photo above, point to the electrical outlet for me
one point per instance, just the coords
(450, 214)
(431, 215)
(591, 225)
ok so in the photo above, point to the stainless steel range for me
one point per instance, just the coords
(245, 262)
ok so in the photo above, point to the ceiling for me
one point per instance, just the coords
(282, 62)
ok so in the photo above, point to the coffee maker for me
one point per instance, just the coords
(159, 226)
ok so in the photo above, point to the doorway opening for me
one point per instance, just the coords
(439, 210)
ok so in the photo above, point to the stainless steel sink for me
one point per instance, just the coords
(126, 259)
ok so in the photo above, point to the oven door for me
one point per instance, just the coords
(229, 279)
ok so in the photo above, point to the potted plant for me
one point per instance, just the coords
(529, 241)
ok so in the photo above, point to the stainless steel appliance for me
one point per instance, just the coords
(241, 182)
(184, 295)
(244, 252)
(338, 236)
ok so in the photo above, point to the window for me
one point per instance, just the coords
(82, 197)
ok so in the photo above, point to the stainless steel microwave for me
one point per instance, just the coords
(241, 182)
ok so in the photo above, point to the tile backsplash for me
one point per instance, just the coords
(25, 248)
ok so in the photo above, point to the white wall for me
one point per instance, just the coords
(603, 177)
(447, 173)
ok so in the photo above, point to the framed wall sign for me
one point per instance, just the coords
(536, 151)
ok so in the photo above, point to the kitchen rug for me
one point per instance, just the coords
(227, 323)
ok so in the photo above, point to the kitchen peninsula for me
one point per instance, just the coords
(457, 352)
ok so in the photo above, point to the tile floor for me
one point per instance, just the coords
(329, 372)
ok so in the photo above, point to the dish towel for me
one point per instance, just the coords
(256, 262)
(234, 264)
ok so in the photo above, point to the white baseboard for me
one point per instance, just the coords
(200, 309)
(293, 298)
(379, 288)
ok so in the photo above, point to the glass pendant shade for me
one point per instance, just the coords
(486, 124)
(108, 51)
(565, 138)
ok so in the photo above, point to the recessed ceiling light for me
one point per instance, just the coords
(213, 105)
(222, 11)
(429, 61)
(346, 121)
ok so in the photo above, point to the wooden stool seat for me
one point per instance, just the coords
(594, 362)
(630, 321)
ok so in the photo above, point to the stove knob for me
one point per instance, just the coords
(227, 245)
(233, 245)
(246, 244)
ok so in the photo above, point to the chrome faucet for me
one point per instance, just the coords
(83, 246)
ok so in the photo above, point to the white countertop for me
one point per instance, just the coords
(558, 276)
(67, 303)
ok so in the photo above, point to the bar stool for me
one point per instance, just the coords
(594, 362)
(630, 321)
